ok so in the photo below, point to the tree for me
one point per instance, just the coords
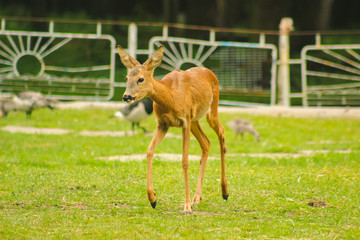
(324, 14)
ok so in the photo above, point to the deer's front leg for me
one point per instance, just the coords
(159, 134)
(185, 165)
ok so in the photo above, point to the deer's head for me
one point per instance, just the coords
(140, 77)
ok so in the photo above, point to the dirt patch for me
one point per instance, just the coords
(309, 112)
(318, 204)
(34, 130)
(19, 204)
(178, 157)
(245, 211)
(160, 156)
(301, 153)
(157, 156)
(310, 152)
(119, 205)
(329, 142)
(303, 112)
(59, 131)
(203, 213)
(76, 205)
(269, 155)
(107, 133)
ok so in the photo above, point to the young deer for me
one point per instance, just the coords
(181, 99)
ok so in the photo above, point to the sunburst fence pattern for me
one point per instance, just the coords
(81, 66)
(331, 75)
(246, 67)
(65, 66)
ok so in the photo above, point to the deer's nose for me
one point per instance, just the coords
(128, 98)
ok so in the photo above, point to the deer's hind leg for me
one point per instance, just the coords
(185, 164)
(205, 145)
(214, 122)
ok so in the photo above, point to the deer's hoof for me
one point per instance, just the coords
(225, 197)
(196, 200)
(187, 212)
(153, 204)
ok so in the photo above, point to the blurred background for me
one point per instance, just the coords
(255, 14)
(67, 49)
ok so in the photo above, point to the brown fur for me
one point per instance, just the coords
(181, 99)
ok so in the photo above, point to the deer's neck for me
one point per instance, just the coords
(161, 94)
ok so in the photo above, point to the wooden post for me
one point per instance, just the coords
(286, 25)
(2, 24)
(132, 40)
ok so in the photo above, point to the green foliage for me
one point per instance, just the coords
(55, 187)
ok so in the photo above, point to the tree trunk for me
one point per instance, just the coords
(220, 12)
(324, 14)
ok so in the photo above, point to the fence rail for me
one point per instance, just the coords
(331, 75)
(76, 59)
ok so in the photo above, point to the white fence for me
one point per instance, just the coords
(85, 66)
(239, 66)
(331, 75)
(37, 61)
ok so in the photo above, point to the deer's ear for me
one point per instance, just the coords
(126, 59)
(155, 60)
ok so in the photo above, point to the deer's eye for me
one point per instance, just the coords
(140, 80)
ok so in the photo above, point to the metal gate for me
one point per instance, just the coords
(54, 62)
(331, 75)
(74, 66)
(239, 66)
(39, 61)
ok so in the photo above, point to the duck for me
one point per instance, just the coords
(25, 101)
(240, 126)
(136, 112)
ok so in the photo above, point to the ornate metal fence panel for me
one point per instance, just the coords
(240, 67)
(331, 75)
(60, 65)
(74, 66)
(81, 66)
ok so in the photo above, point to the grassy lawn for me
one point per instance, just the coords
(55, 187)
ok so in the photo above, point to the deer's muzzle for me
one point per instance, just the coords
(128, 98)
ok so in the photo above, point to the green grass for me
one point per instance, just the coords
(54, 187)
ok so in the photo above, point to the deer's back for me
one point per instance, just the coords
(193, 90)
(197, 81)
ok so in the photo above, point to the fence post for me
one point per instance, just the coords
(286, 25)
(132, 40)
(3, 25)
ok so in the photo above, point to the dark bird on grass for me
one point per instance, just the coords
(240, 126)
(136, 112)
(25, 101)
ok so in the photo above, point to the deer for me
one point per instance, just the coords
(180, 99)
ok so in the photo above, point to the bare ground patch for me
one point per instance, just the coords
(178, 157)
(301, 112)
(157, 156)
(318, 204)
(326, 112)
(35, 130)
(59, 131)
